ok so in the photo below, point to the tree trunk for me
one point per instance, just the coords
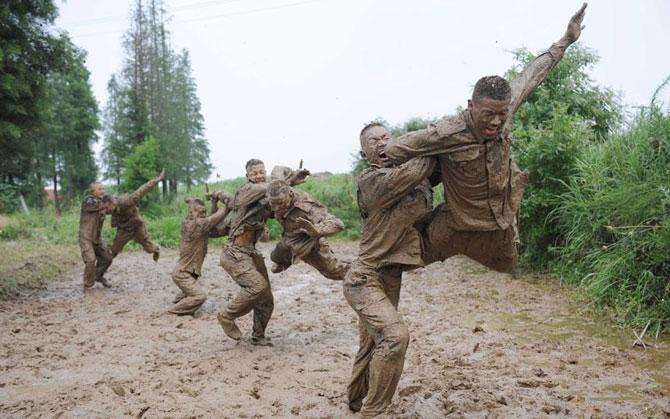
(56, 201)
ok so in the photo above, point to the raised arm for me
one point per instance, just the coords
(144, 189)
(537, 70)
(391, 185)
(209, 222)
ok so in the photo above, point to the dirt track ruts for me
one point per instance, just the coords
(482, 344)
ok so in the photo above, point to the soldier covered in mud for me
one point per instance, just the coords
(305, 225)
(482, 185)
(242, 261)
(394, 201)
(192, 251)
(94, 250)
(127, 220)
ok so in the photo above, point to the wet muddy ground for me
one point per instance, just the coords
(483, 344)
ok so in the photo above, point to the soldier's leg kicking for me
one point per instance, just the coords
(142, 237)
(497, 249)
(323, 259)
(121, 238)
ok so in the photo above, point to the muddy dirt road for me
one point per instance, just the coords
(482, 345)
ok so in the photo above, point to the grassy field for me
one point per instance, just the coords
(37, 248)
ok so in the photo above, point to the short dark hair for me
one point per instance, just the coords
(253, 162)
(278, 187)
(493, 87)
(108, 199)
(371, 125)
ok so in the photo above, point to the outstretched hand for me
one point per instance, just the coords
(298, 177)
(307, 227)
(575, 25)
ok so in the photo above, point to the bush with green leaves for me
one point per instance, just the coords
(615, 221)
(551, 129)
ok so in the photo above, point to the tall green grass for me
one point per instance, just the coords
(615, 222)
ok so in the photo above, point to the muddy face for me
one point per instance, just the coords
(109, 207)
(198, 211)
(280, 203)
(373, 142)
(256, 173)
(488, 116)
(98, 190)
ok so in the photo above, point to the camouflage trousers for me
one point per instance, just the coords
(191, 297)
(139, 234)
(97, 259)
(247, 268)
(321, 258)
(374, 295)
(497, 249)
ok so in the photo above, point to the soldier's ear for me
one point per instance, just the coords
(470, 105)
(363, 156)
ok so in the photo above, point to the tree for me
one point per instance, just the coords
(67, 129)
(551, 130)
(141, 165)
(29, 50)
(155, 96)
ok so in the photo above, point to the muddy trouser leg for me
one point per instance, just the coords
(104, 259)
(384, 338)
(323, 259)
(121, 238)
(142, 237)
(497, 249)
(194, 296)
(88, 255)
(247, 268)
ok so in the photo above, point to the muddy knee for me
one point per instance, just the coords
(395, 340)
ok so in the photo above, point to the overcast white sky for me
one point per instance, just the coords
(284, 80)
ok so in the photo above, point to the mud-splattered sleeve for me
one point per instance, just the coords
(534, 74)
(250, 193)
(143, 190)
(391, 184)
(210, 222)
(431, 141)
(91, 204)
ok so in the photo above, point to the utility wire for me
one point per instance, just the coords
(245, 12)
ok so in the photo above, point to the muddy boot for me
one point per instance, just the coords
(260, 341)
(105, 283)
(229, 327)
(177, 298)
(157, 254)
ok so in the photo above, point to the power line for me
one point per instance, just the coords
(192, 6)
(245, 12)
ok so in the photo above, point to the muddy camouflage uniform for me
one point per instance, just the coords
(192, 252)
(393, 202)
(128, 222)
(94, 251)
(244, 263)
(482, 185)
(315, 251)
